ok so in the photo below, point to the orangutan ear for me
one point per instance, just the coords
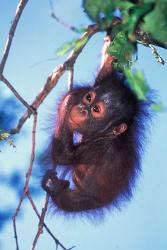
(120, 129)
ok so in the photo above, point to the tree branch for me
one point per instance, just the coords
(19, 11)
(56, 74)
(44, 224)
(28, 174)
(66, 25)
(18, 96)
(41, 222)
(70, 78)
(146, 38)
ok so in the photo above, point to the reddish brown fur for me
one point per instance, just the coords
(106, 162)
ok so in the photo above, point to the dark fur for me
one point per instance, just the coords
(104, 166)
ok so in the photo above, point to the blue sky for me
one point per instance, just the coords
(142, 223)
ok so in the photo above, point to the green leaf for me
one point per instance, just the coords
(133, 16)
(149, 1)
(96, 9)
(73, 44)
(137, 83)
(65, 48)
(122, 49)
(139, 86)
(4, 136)
(80, 43)
(158, 107)
(156, 22)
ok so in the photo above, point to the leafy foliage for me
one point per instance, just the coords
(122, 49)
(137, 83)
(97, 10)
(158, 107)
(133, 16)
(9, 109)
(156, 22)
(145, 15)
(65, 48)
(3, 135)
(73, 44)
(7, 137)
(131, 13)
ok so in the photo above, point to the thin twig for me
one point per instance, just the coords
(28, 174)
(19, 11)
(44, 224)
(41, 222)
(50, 83)
(14, 219)
(155, 53)
(146, 38)
(56, 74)
(66, 25)
(18, 96)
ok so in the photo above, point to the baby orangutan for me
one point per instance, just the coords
(105, 163)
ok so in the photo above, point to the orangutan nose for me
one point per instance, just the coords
(82, 109)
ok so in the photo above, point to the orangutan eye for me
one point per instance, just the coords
(88, 97)
(96, 109)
